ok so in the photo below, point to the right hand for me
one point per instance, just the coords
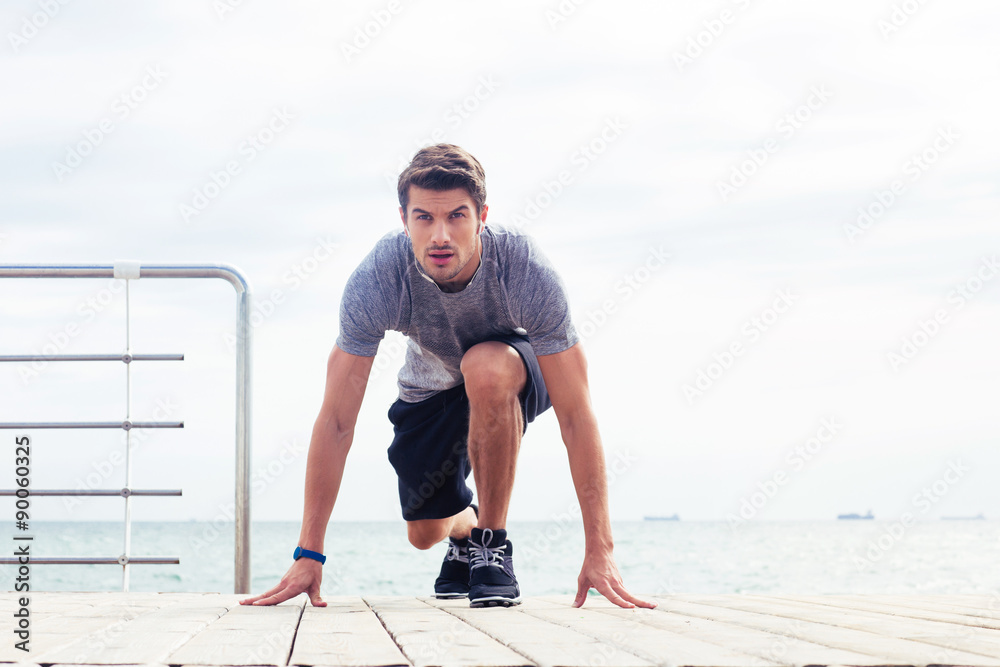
(305, 574)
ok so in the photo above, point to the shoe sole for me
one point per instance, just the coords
(451, 596)
(494, 601)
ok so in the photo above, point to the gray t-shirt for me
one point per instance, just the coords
(515, 290)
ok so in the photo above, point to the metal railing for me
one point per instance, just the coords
(129, 271)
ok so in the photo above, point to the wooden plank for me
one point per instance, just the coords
(884, 650)
(968, 607)
(826, 629)
(431, 637)
(143, 639)
(862, 603)
(542, 642)
(245, 635)
(653, 644)
(947, 636)
(767, 645)
(51, 631)
(345, 632)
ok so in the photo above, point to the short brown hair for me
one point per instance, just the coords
(444, 167)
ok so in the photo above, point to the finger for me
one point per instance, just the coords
(605, 589)
(581, 593)
(620, 589)
(277, 598)
(253, 599)
(314, 597)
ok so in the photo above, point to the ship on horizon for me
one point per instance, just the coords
(854, 515)
(672, 517)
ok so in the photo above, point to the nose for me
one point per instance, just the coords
(439, 233)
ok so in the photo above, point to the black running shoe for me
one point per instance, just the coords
(491, 570)
(453, 581)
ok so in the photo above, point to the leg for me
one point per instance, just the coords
(425, 533)
(495, 375)
(428, 453)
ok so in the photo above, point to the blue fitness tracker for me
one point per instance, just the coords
(315, 555)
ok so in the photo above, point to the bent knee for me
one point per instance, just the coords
(493, 368)
(422, 542)
(425, 534)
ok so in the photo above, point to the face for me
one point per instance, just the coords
(443, 228)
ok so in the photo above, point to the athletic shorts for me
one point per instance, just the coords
(429, 449)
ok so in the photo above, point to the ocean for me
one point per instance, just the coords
(654, 557)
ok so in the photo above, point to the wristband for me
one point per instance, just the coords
(315, 555)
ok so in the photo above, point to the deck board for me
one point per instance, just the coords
(851, 630)
(429, 636)
(885, 650)
(942, 614)
(542, 642)
(684, 631)
(345, 632)
(653, 644)
(944, 635)
(767, 645)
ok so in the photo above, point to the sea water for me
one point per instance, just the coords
(654, 557)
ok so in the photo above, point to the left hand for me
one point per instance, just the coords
(599, 571)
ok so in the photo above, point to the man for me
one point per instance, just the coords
(490, 347)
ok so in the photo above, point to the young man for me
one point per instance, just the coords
(490, 347)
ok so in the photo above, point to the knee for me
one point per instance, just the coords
(425, 534)
(422, 542)
(492, 370)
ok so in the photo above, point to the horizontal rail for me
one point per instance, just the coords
(127, 425)
(94, 560)
(96, 492)
(127, 358)
(226, 272)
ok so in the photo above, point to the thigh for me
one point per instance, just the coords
(429, 453)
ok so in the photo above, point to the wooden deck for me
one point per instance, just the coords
(716, 630)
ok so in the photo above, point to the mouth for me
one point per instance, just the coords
(440, 257)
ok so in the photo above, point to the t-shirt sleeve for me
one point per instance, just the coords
(539, 302)
(364, 310)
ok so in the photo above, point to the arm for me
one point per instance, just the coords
(565, 375)
(332, 435)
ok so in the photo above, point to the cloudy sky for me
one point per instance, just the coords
(777, 221)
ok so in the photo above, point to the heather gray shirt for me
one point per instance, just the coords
(515, 290)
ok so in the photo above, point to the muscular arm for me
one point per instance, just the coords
(565, 375)
(332, 435)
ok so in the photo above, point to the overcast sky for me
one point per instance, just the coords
(777, 221)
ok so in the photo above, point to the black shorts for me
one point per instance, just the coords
(429, 448)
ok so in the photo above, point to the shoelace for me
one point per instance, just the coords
(481, 555)
(455, 553)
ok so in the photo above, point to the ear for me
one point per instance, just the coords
(482, 218)
(402, 216)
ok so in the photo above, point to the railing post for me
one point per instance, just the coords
(243, 379)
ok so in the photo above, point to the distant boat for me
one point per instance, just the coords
(856, 516)
(978, 517)
(672, 517)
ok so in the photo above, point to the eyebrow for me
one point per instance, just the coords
(420, 210)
